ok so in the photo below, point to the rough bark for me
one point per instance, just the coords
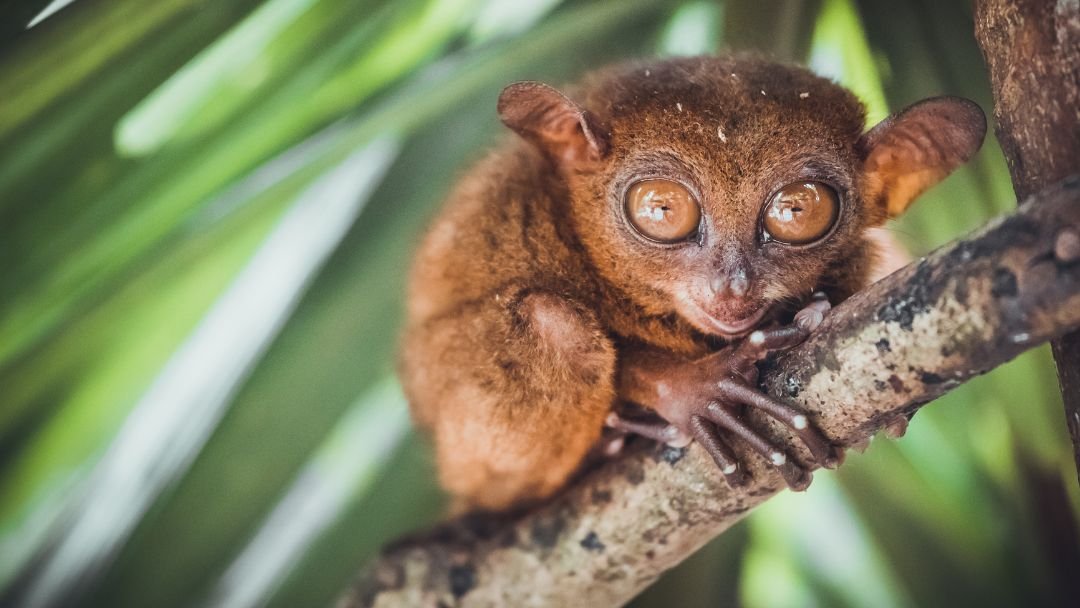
(877, 358)
(1032, 50)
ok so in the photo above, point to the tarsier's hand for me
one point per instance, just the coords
(703, 399)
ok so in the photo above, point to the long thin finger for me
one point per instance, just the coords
(806, 321)
(758, 344)
(790, 416)
(777, 338)
(705, 434)
(796, 477)
(657, 430)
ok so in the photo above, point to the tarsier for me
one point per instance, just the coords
(645, 241)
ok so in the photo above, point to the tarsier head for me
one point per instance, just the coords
(722, 188)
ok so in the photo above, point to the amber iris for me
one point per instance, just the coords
(662, 210)
(801, 213)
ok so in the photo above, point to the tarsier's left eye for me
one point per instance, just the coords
(662, 210)
(801, 213)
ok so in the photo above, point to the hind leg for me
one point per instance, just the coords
(515, 389)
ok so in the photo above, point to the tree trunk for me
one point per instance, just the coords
(1032, 50)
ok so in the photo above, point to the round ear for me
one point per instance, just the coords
(918, 147)
(554, 123)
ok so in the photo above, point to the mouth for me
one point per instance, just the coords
(726, 328)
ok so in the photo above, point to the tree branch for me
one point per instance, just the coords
(878, 357)
(1032, 51)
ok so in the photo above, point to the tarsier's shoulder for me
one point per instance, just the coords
(494, 228)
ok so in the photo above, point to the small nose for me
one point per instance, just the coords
(733, 283)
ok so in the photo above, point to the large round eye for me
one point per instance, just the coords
(801, 213)
(662, 210)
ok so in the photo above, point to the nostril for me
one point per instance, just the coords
(718, 284)
(739, 283)
(735, 283)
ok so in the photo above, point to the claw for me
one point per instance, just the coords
(796, 477)
(613, 446)
(896, 427)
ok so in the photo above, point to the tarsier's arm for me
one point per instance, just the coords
(687, 220)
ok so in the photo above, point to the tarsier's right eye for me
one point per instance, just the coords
(801, 213)
(662, 210)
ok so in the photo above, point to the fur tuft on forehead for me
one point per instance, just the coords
(724, 90)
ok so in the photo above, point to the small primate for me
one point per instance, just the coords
(638, 249)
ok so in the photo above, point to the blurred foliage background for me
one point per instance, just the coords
(206, 214)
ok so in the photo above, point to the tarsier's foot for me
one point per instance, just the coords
(706, 399)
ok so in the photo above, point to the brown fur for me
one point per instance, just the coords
(530, 284)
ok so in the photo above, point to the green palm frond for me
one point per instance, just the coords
(206, 215)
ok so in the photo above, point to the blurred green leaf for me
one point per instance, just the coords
(839, 50)
(781, 29)
(174, 416)
(148, 199)
(149, 150)
(403, 499)
(342, 468)
(82, 39)
(55, 238)
(695, 29)
(840, 563)
(15, 16)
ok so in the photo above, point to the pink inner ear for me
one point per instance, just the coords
(918, 147)
(563, 131)
(575, 142)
